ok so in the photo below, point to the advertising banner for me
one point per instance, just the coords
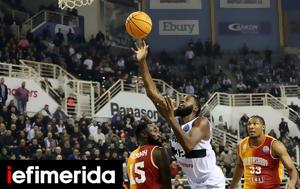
(245, 4)
(179, 27)
(37, 96)
(129, 103)
(175, 4)
(239, 28)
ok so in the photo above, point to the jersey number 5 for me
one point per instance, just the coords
(138, 170)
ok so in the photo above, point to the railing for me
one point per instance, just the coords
(12, 70)
(84, 91)
(19, 16)
(290, 91)
(44, 16)
(259, 99)
(53, 71)
(167, 89)
(136, 87)
(109, 94)
(221, 137)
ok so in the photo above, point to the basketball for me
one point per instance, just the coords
(138, 25)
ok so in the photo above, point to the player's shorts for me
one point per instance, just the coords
(215, 181)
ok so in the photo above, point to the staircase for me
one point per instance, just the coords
(136, 88)
(23, 71)
(85, 92)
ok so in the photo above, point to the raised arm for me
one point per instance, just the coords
(279, 150)
(141, 52)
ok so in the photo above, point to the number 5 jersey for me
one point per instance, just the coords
(141, 169)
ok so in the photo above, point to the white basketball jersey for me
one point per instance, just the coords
(201, 171)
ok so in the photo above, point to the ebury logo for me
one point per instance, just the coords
(91, 174)
(179, 27)
(33, 175)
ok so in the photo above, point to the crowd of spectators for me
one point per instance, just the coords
(54, 135)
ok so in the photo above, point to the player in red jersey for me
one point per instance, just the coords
(148, 166)
(261, 158)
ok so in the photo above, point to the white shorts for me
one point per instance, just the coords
(217, 181)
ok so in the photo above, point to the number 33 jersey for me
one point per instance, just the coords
(261, 169)
(141, 169)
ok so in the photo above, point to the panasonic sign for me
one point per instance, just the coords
(129, 102)
(179, 27)
(136, 112)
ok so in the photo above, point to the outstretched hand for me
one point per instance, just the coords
(141, 51)
(166, 107)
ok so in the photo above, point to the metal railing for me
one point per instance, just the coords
(45, 15)
(82, 91)
(53, 71)
(23, 71)
(19, 16)
(221, 137)
(255, 99)
(290, 91)
(136, 87)
(259, 99)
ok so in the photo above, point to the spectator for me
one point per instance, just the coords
(189, 56)
(38, 155)
(3, 93)
(59, 38)
(283, 128)
(243, 126)
(272, 134)
(59, 114)
(22, 97)
(99, 136)
(174, 168)
(88, 62)
(221, 125)
(199, 47)
(23, 43)
(46, 112)
(189, 88)
(71, 37)
(60, 127)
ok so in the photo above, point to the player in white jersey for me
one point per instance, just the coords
(192, 133)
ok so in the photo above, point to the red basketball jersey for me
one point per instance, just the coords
(141, 169)
(261, 169)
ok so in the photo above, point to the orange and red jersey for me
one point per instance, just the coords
(261, 169)
(141, 169)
